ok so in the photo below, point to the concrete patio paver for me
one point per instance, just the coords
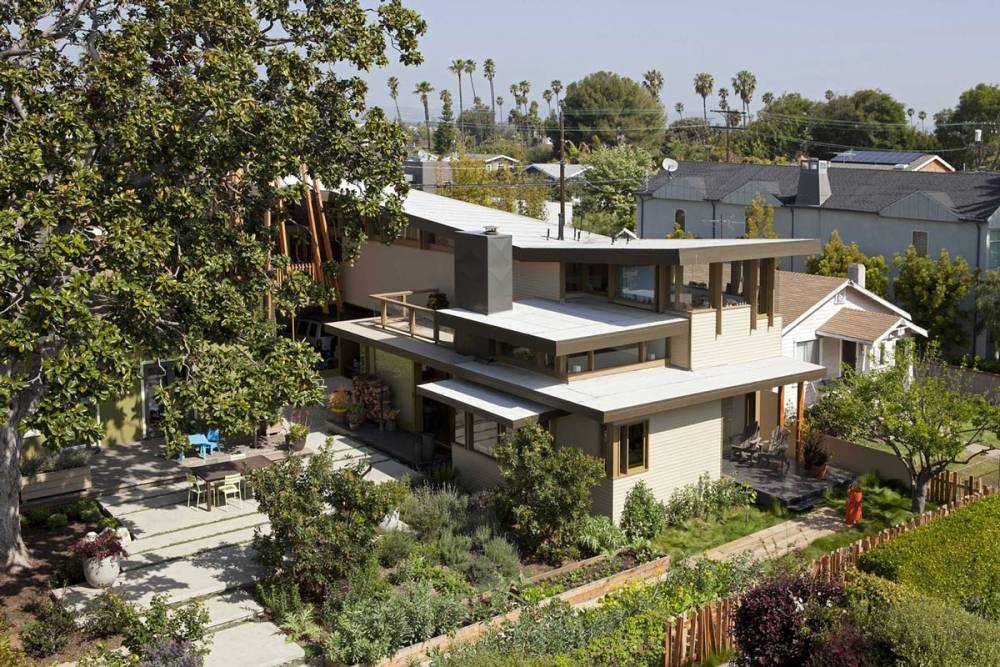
(259, 644)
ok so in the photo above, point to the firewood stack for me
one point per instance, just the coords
(374, 395)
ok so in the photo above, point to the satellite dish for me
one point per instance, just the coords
(669, 165)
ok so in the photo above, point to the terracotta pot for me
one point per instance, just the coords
(101, 572)
(338, 416)
(817, 472)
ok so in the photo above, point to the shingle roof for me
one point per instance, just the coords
(975, 195)
(551, 169)
(861, 325)
(795, 293)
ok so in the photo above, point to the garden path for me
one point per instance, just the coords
(782, 538)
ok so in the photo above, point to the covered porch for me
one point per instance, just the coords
(794, 489)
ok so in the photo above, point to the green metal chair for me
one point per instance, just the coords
(228, 488)
(247, 491)
(196, 487)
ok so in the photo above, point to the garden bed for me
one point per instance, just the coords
(59, 473)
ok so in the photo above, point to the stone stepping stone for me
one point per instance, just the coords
(258, 644)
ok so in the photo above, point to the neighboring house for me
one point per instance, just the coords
(494, 161)
(604, 343)
(898, 160)
(550, 170)
(426, 171)
(835, 322)
(883, 211)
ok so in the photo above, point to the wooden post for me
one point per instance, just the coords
(751, 274)
(268, 298)
(662, 287)
(781, 405)
(327, 245)
(314, 234)
(768, 280)
(800, 414)
(678, 285)
(715, 293)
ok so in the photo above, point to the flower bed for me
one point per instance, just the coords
(55, 474)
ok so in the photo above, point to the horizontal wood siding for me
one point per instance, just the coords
(738, 342)
(57, 483)
(585, 434)
(683, 445)
(536, 279)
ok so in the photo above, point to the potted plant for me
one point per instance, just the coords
(339, 403)
(437, 300)
(355, 416)
(815, 457)
(390, 415)
(295, 437)
(101, 556)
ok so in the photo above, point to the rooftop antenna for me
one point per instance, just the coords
(669, 165)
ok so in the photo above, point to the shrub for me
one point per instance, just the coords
(109, 616)
(50, 631)
(430, 511)
(63, 459)
(105, 545)
(454, 550)
(546, 491)
(537, 592)
(57, 520)
(308, 542)
(394, 546)
(89, 512)
(600, 535)
(643, 516)
(170, 653)
(503, 556)
(986, 605)
(777, 620)
(280, 596)
(160, 622)
(39, 517)
(10, 656)
(951, 558)
(707, 498)
(843, 645)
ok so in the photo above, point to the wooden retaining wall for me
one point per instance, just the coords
(57, 483)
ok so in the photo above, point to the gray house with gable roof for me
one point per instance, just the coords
(883, 211)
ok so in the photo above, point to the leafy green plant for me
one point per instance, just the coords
(56, 520)
(39, 517)
(300, 625)
(50, 630)
(537, 592)
(429, 511)
(280, 596)
(708, 498)
(109, 616)
(394, 546)
(297, 431)
(10, 656)
(643, 515)
(160, 621)
(600, 535)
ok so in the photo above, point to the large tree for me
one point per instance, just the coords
(607, 108)
(988, 303)
(837, 256)
(423, 90)
(444, 133)
(607, 190)
(704, 84)
(933, 291)
(978, 108)
(865, 119)
(918, 407)
(140, 142)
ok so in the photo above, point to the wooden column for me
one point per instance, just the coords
(715, 293)
(268, 298)
(678, 286)
(781, 405)
(751, 276)
(662, 287)
(800, 414)
(313, 232)
(767, 267)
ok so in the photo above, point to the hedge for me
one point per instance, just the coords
(953, 558)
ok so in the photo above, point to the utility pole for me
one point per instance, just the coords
(562, 175)
(727, 126)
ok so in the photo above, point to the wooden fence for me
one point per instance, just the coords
(694, 636)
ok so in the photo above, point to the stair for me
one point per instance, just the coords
(242, 533)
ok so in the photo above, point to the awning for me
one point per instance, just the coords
(862, 326)
(511, 411)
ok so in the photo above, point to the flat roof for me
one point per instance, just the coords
(512, 411)
(574, 325)
(608, 398)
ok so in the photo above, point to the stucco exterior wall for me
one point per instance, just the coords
(536, 279)
(738, 342)
(585, 434)
(382, 268)
(122, 418)
(683, 445)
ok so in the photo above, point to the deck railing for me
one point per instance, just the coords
(416, 320)
(301, 267)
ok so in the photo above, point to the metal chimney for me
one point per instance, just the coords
(814, 183)
(484, 272)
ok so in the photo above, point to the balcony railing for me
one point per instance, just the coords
(397, 312)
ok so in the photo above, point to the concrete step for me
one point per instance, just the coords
(199, 531)
(257, 644)
(166, 552)
(142, 499)
(180, 517)
(231, 608)
(199, 576)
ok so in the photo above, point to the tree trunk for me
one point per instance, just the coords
(919, 486)
(14, 552)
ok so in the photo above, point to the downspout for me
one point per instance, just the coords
(713, 219)
(792, 209)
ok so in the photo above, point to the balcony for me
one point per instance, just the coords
(398, 312)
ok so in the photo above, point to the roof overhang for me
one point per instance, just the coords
(681, 252)
(501, 407)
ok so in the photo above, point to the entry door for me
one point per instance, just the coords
(849, 354)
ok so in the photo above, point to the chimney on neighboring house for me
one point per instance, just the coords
(814, 182)
(856, 274)
(484, 270)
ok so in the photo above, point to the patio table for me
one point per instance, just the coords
(214, 472)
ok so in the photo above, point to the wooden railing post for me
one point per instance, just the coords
(385, 312)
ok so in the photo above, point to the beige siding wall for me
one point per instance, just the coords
(680, 349)
(536, 279)
(738, 342)
(382, 268)
(683, 444)
(585, 434)
(475, 471)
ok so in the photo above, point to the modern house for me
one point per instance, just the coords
(898, 160)
(883, 211)
(605, 343)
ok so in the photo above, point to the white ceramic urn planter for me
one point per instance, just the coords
(101, 572)
(102, 556)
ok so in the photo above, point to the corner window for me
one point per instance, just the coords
(634, 452)
(657, 349)
(919, 241)
(636, 284)
(577, 363)
(679, 219)
(517, 352)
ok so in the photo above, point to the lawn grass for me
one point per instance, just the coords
(699, 535)
(883, 506)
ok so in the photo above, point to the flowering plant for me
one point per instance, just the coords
(106, 545)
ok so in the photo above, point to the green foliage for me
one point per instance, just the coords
(10, 656)
(444, 133)
(50, 630)
(394, 546)
(39, 517)
(52, 461)
(161, 621)
(679, 233)
(599, 535)
(643, 515)
(865, 119)
(928, 420)
(430, 511)
(978, 107)
(56, 520)
(932, 291)
(601, 91)
(988, 302)
(837, 256)
(110, 616)
(546, 491)
(708, 499)
(308, 542)
(537, 592)
(759, 216)
(608, 187)
(954, 558)
(502, 189)
(281, 597)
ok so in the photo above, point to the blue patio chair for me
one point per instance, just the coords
(204, 445)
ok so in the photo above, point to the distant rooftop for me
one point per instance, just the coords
(551, 169)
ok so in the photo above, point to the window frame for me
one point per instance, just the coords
(914, 235)
(817, 350)
(621, 434)
(682, 214)
(614, 284)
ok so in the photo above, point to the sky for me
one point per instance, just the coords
(923, 52)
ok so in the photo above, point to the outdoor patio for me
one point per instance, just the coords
(795, 489)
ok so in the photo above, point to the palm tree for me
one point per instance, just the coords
(524, 88)
(767, 98)
(393, 84)
(500, 104)
(470, 67)
(910, 112)
(653, 82)
(723, 98)
(424, 88)
(457, 67)
(679, 108)
(515, 92)
(556, 86)
(829, 95)
(547, 96)
(922, 116)
(703, 85)
(744, 85)
(490, 71)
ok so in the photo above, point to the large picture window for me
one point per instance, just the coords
(613, 357)
(636, 284)
(634, 444)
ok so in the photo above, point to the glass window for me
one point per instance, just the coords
(919, 242)
(460, 428)
(411, 233)
(485, 434)
(807, 351)
(613, 357)
(994, 244)
(657, 349)
(633, 448)
(636, 284)
(577, 363)
(679, 218)
(591, 278)
(517, 352)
